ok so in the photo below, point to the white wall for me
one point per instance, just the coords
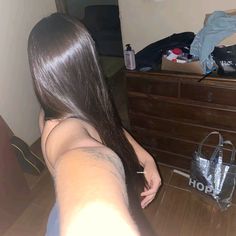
(146, 21)
(76, 7)
(18, 105)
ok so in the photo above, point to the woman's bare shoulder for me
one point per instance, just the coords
(62, 136)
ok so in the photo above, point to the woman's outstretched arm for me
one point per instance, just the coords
(90, 182)
(92, 194)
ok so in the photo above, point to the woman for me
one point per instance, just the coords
(94, 161)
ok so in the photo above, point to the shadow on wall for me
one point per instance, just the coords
(103, 23)
(76, 7)
(101, 18)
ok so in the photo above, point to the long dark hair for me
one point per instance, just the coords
(69, 83)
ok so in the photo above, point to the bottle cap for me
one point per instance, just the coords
(128, 47)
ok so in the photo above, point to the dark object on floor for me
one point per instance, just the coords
(103, 23)
(151, 55)
(28, 160)
(14, 191)
(225, 59)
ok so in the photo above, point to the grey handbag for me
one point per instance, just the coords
(211, 175)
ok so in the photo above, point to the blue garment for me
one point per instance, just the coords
(53, 227)
(218, 27)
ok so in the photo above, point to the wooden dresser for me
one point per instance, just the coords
(170, 113)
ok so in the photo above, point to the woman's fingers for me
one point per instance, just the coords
(148, 195)
(147, 200)
(154, 186)
(149, 192)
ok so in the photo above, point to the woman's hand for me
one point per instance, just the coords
(153, 180)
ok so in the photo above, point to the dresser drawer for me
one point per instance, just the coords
(171, 159)
(175, 129)
(211, 94)
(153, 86)
(165, 143)
(184, 112)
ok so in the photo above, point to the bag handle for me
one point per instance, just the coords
(219, 147)
(232, 158)
(220, 144)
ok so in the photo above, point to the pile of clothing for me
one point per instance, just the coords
(186, 47)
(219, 26)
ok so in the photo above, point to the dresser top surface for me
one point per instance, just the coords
(194, 77)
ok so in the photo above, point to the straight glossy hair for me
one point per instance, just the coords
(68, 82)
